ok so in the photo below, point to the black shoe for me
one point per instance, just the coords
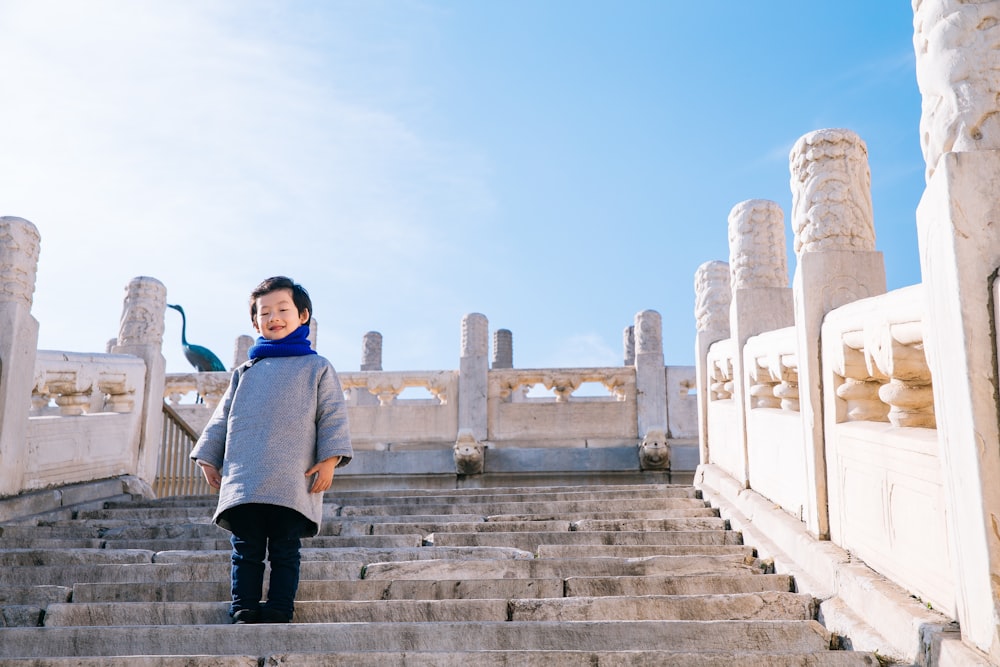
(274, 616)
(246, 616)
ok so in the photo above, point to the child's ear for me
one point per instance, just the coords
(304, 316)
(255, 327)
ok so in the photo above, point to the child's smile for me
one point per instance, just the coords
(277, 315)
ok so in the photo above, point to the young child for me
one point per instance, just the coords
(271, 448)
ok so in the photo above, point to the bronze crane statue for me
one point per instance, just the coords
(202, 358)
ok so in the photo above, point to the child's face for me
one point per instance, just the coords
(277, 315)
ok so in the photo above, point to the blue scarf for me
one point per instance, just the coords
(295, 344)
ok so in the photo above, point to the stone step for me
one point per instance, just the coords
(262, 640)
(413, 539)
(67, 575)
(533, 658)
(767, 606)
(563, 567)
(639, 550)
(513, 493)
(374, 589)
(468, 506)
(532, 541)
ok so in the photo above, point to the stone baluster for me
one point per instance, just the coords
(650, 375)
(761, 301)
(241, 350)
(19, 246)
(628, 345)
(503, 349)
(473, 381)
(141, 335)
(836, 264)
(958, 74)
(371, 351)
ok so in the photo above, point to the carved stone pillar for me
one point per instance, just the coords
(628, 345)
(241, 350)
(650, 376)
(503, 349)
(712, 300)
(761, 301)
(958, 73)
(472, 386)
(141, 335)
(837, 264)
(371, 351)
(19, 246)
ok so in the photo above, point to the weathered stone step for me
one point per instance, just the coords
(532, 541)
(670, 513)
(14, 594)
(67, 575)
(768, 606)
(639, 550)
(414, 539)
(533, 507)
(563, 567)
(509, 494)
(43, 557)
(362, 554)
(535, 658)
(261, 640)
(416, 589)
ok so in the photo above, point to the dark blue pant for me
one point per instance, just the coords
(276, 531)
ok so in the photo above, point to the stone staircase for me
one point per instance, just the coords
(610, 574)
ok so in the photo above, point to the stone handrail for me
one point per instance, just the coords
(388, 385)
(510, 384)
(773, 370)
(720, 370)
(80, 383)
(875, 349)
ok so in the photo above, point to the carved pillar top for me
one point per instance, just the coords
(371, 351)
(241, 349)
(958, 74)
(713, 296)
(757, 256)
(648, 333)
(19, 247)
(475, 335)
(142, 313)
(503, 348)
(628, 344)
(831, 192)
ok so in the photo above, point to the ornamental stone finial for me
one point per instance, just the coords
(371, 351)
(713, 296)
(503, 348)
(142, 313)
(19, 247)
(475, 335)
(648, 333)
(757, 256)
(958, 74)
(628, 344)
(831, 192)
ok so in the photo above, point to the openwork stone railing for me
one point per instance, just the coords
(387, 386)
(875, 350)
(85, 383)
(720, 370)
(773, 370)
(512, 385)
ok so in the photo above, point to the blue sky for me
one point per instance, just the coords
(556, 165)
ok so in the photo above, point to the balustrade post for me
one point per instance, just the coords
(836, 264)
(628, 345)
(141, 335)
(713, 298)
(650, 373)
(19, 246)
(371, 360)
(761, 298)
(473, 375)
(241, 350)
(958, 73)
(503, 349)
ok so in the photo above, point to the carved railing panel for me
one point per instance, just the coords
(773, 370)
(85, 383)
(720, 370)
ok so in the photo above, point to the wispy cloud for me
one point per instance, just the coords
(183, 141)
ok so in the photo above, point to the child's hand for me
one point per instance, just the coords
(324, 474)
(212, 475)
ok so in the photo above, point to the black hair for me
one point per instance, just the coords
(300, 297)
